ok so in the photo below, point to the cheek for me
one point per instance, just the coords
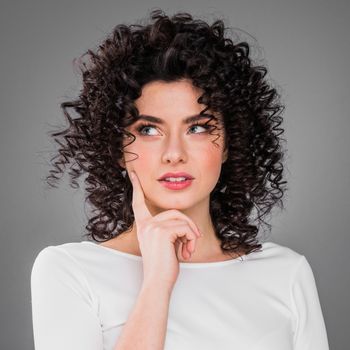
(139, 157)
(210, 156)
(211, 167)
(144, 160)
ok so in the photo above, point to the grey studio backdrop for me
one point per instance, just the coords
(306, 47)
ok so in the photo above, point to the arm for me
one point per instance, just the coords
(147, 323)
(64, 310)
(310, 330)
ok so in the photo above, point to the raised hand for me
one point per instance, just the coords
(159, 237)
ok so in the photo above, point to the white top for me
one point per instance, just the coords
(82, 294)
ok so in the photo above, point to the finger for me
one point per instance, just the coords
(183, 239)
(186, 236)
(185, 252)
(180, 229)
(176, 214)
(181, 251)
(139, 206)
(182, 235)
(190, 246)
(177, 248)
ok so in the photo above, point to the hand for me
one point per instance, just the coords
(159, 237)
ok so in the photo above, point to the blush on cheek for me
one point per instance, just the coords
(212, 164)
(142, 160)
(213, 160)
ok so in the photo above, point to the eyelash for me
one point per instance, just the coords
(143, 125)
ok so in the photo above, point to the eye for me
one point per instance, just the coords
(204, 126)
(142, 127)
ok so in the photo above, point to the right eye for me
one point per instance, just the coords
(145, 126)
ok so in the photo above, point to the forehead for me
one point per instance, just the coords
(159, 94)
(171, 100)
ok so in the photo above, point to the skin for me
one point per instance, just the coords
(175, 147)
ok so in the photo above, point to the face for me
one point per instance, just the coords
(173, 146)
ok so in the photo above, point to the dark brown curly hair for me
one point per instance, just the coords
(171, 49)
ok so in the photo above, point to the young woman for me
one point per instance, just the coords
(178, 133)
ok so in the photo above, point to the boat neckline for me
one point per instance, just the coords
(182, 264)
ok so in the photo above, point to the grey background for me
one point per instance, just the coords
(306, 47)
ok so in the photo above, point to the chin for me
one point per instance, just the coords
(179, 204)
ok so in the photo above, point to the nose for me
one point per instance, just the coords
(174, 151)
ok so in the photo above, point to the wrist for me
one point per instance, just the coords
(155, 287)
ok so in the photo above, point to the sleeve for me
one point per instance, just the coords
(63, 311)
(310, 332)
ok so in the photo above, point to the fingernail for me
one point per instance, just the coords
(132, 175)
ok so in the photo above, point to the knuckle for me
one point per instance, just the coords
(177, 212)
(154, 228)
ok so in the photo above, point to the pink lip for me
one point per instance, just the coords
(180, 174)
(176, 185)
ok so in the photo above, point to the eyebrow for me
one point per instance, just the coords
(186, 120)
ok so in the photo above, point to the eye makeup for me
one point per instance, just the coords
(141, 127)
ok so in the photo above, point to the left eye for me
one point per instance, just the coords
(141, 128)
(205, 127)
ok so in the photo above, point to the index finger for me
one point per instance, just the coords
(139, 206)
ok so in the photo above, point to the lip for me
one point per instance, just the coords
(180, 174)
(176, 185)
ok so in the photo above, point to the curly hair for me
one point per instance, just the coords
(170, 49)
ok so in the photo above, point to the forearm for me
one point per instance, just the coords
(147, 323)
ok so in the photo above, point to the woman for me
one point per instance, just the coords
(178, 134)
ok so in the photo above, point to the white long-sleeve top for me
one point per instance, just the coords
(82, 294)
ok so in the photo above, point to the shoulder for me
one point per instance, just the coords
(277, 252)
(56, 270)
(52, 255)
(63, 254)
(281, 261)
(61, 261)
(58, 278)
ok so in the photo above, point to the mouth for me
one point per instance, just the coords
(177, 184)
(176, 179)
(179, 176)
